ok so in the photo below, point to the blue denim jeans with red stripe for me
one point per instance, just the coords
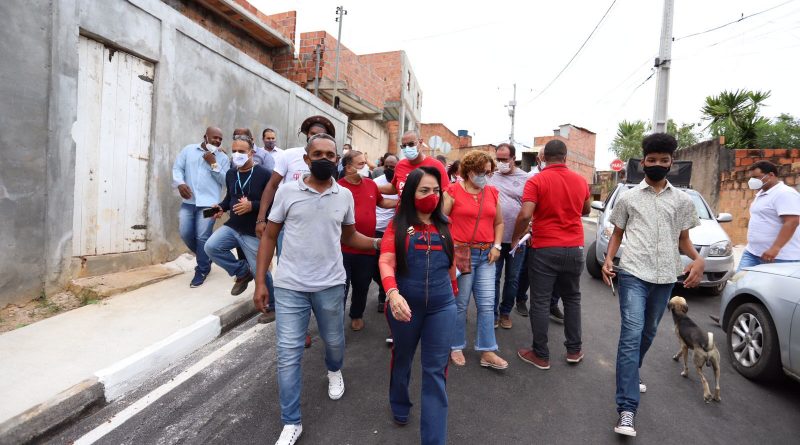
(427, 289)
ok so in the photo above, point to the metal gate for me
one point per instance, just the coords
(112, 135)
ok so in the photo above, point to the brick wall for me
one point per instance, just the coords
(426, 131)
(734, 195)
(458, 153)
(389, 67)
(580, 148)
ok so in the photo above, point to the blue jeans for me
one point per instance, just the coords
(218, 248)
(750, 260)
(292, 314)
(480, 283)
(641, 305)
(513, 267)
(195, 230)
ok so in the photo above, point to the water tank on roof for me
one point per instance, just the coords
(462, 133)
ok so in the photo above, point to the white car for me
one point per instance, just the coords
(708, 238)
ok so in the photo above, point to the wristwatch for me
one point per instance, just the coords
(497, 246)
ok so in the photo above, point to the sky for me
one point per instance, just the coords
(467, 55)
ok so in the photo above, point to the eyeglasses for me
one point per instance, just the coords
(409, 144)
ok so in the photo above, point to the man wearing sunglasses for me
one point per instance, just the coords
(410, 146)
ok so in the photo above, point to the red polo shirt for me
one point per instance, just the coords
(404, 167)
(559, 194)
(365, 198)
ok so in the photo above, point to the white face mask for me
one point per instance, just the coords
(755, 183)
(542, 165)
(504, 167)
(479, 181)
(411, 153)
(239, 159)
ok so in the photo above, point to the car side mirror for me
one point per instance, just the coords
(724, 217)
(598, 205)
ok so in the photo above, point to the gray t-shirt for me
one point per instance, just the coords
(311, 254)
(510, 187)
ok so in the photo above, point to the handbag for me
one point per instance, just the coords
(462, 253)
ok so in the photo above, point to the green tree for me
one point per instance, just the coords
(628, 141)
(735, 115)
(782, 132)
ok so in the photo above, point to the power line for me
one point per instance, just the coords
(743, 17)
(576, 53)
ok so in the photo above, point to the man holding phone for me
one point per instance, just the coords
(245, 183)
(199, 175)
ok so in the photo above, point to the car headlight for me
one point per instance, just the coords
(722, 248)
(738, 276)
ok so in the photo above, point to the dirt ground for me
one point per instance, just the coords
(14, 317)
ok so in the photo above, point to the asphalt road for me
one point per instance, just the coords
(234, 399)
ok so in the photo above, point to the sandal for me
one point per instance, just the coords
(494, 361)
(457, 357)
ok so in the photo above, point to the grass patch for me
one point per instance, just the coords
(47, 305)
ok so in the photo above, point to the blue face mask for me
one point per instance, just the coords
(411, 153)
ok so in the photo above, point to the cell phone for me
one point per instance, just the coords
(209, 212)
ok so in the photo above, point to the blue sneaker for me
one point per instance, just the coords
(199, 279)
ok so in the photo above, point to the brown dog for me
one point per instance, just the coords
(701, 343)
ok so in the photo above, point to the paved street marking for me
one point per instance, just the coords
(124, 415)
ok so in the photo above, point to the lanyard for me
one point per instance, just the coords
(239, 181)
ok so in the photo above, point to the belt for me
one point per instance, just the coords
(481, 246)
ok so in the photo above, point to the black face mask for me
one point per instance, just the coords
(656, 172)
(323, 169)
(389, 172)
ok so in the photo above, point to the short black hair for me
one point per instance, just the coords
(555, 150)
(659, 143)
(766, 167)
(511, 150)
(266, 130)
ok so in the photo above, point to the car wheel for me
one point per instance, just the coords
(592, 266)
(753, 342)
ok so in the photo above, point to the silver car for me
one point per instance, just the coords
(760, 312)
(709, 239)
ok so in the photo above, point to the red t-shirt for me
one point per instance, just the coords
(559, 194)
(404, 167)
(465, 212)
(366, 197)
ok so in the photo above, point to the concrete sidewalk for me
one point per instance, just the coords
(55, 368)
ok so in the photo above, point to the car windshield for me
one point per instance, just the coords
(699, 205)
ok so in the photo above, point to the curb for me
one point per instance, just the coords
(108, 384)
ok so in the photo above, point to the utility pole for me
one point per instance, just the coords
(340, 13)
(511, 111)
(662, 64)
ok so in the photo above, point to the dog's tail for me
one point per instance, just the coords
(709, 347)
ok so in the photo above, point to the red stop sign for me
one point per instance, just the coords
(617, 165)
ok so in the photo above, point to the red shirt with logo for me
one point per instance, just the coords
(404, 167)
(366, 197)
(559, 194)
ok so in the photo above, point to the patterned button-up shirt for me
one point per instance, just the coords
(653, 223)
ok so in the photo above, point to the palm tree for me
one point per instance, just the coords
(734, 115)
(628, 141)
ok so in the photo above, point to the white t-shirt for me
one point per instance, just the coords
(383, 216)
(765, 221)
(290, 164)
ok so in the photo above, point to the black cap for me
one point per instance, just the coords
(322, 120)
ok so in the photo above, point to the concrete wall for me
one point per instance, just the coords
(24, 82)
(708, 158)
(200, 80)
(369, 137)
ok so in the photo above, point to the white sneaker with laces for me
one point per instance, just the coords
(335, 385)
(642, 387)
(290, 434)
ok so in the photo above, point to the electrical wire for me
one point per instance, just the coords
(574, 55)
(743, 17)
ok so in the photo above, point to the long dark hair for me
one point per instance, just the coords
(406, 216)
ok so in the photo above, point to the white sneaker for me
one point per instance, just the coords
(290, 434)
(335, 385)
(642, 387)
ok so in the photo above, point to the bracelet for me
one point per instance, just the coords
(390, 291)
(375, 243)
(259, 221)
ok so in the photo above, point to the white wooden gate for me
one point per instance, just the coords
(112, 135)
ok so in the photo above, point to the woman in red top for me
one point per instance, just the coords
(476, 221)
(420, 278)
(360, 265)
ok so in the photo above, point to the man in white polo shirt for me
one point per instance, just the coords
(772, 235)
(318, 214)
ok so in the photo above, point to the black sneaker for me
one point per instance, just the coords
(522, 308)
(625, 424)
(380, 307)
(198, 280)
(241, 284)
(556, 314)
